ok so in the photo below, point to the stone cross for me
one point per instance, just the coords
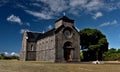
(64, 13)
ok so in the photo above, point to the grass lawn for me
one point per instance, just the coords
(33, 66)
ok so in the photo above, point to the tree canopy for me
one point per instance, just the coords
(95, 42)
(112, 54)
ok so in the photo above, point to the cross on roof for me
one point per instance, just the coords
(64, 13)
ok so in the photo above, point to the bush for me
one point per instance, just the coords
(3, 57)
(111, 55)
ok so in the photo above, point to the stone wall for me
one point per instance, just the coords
(59, 47)
(28, 51)
(58, 24)
(22, 55)
(31, 51)
(61, 40)
(46, 49)
(24, 45)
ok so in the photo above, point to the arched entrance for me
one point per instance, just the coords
(68, 51)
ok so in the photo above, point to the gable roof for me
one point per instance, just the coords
(34, 36)
(46, 34)
(66, 19)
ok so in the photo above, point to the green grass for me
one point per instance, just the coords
(32, 66)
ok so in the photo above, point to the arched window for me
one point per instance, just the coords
(68, 45)
(32, 48)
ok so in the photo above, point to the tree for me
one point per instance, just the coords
(112, 54)
(2, 56)
(95, 42)
(118, 50)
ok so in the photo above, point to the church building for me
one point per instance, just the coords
(60, 44)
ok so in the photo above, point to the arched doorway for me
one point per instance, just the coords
(67, 51)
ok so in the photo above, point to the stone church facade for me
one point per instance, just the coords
(60, 44)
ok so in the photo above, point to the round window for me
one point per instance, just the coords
(68, 33)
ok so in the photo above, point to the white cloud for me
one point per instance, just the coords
(11, 54)
(56, 6)
(13, 18)
(47, 9)
(6, 53)
(23, 30)
(105, 24)
(114, 22)
(94, 5)
(85, 5)
(3, 2)
(118, 4)
(38, 14)
(50, 27)
(97, 15)
(21, 6)
(14, 54)
(75, 3)
(112, 5)
(36, 4)
(52, 8)
(28, 24)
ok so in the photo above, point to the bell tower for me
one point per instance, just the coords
(67, 40)
(64, 21)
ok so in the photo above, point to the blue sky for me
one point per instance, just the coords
(40, 15)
